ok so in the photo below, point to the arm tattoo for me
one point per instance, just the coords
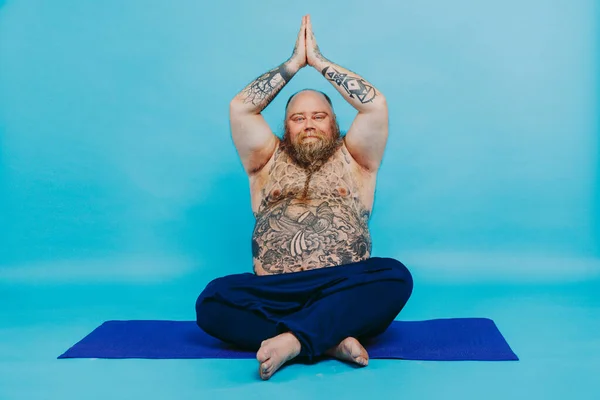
(355, 87)
(264, 88)
(285, 74)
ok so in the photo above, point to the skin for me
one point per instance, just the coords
(312, 192)
(317, 215)
(337, 196)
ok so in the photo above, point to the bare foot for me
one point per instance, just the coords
(350, 350)
(275, 352)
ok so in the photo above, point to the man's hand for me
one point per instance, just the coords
(367, 136)
(313, 54)
(252, 136)
(298, 59)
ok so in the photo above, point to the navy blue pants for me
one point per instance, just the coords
(320, 307)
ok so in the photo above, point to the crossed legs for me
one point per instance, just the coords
(307, 314)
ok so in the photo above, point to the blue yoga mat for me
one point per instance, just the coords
(439, 339)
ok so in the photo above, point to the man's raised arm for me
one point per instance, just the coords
(252, 136)
(367, 136)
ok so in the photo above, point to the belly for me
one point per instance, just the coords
(293, 236)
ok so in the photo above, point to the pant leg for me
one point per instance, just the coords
(237, 326)
(244, 309)
(321, 307)
(363, 305)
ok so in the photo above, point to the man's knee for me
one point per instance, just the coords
(205, 304)
(395, 270)
(209, 302)
(218, 287)
(202, 312)
(399, 281)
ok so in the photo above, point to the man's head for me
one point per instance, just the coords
(312, 133)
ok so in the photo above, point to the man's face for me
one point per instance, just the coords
(311, 131)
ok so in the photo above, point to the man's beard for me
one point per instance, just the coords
(313, 154)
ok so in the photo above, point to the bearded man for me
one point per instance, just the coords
(316, 290)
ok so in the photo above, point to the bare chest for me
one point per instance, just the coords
(339, 180)
(310, 220)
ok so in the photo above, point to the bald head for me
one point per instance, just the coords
(308, 95)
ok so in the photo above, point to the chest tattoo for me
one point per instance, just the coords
(309, 220)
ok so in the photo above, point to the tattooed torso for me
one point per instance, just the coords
(302, 226)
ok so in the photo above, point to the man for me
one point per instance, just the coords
(315, 290)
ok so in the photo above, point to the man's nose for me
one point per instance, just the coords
(310, 124)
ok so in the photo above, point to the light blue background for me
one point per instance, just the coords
(118, 175)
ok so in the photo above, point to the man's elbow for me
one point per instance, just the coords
(235, 105)
(239, 107)
(380, 101)
(376, 106)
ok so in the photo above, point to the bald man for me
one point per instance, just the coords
(316, 290)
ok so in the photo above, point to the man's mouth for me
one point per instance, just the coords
(311, 136)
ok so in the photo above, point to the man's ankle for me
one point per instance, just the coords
(297, 346)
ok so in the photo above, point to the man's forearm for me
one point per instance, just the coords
(260, 92)
(357, 91)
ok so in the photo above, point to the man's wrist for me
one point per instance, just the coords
(320, 63)
(286, 72)
(288, 69)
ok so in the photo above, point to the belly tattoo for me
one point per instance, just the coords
(294, 235)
